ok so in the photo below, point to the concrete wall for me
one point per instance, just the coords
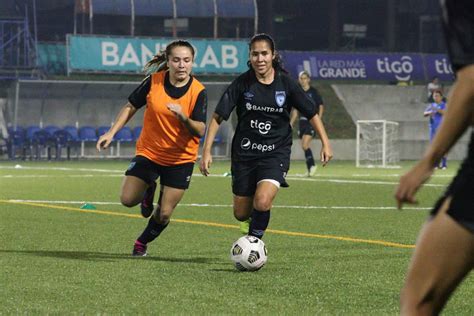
(404, 105)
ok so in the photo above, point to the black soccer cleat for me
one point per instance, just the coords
(146, 206)
(139, 250)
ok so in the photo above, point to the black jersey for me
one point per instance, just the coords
(263, 113)
(458, 24)
(313, 94)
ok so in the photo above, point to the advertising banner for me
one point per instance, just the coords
(438, 65)
(130, 54)
(367, 66)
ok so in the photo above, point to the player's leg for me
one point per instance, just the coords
(444, 255)
(139, 184)
(174, 180)
(243, 188)
(308, 153)
(160, 219)
(262, 204)
(270, 175)
(132, 191)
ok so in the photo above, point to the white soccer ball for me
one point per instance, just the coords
(248, 253)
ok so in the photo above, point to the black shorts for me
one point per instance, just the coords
(178, 176)
(458, 24)
(305, 129)
(461, 189)
(246, 174)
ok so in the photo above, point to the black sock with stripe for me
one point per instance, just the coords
(259, 223)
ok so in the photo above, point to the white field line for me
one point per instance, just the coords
(292, 177)
(441, 174)
(313, 207)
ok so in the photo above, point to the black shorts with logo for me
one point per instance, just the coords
(305, 128)
(461, 189)
(178, 176)
(246, 174)
(458, 24)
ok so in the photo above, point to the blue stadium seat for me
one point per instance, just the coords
(30, 130)
(40, 141)
(124, 135)
(72, 130)
(87, 134)
(16, 141)
(136, 132)
(101, 130)
(63, 139)
(51, 129)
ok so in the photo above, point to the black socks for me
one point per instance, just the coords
(308, 154)
(259, 223)
(152, 231)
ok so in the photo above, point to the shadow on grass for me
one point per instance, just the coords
(104, 256)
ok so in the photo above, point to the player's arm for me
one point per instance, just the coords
(206, 159)
(458, 117)
(321, 111)
(326, 150)
(428, 111)
(196, 122)
(125, 114)
(293, 117)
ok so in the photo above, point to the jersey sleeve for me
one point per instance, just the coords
(228, 100)
(318, 99)
(138, 97)
(200, 108)
(300, 100)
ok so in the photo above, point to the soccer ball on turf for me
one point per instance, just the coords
(248, 253)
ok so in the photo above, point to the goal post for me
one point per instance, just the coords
(377, 144)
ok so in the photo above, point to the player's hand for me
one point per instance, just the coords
(205, 164)
(177, 110)
(104, 141)
(326, 155)
(411, 181)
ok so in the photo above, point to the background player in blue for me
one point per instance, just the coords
(435, 111)
(263, 98)
(305, 131)
(444, 253)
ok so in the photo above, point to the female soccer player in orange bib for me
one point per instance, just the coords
(174, 121)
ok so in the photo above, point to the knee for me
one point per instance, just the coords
(162, 216)
(241, 216)
(128, 200)
(305, 147)
(262, 202)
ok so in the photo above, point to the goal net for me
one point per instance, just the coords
(377, 144)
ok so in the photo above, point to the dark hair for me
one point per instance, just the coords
(437, 91)
(158, 62)
(277, 62)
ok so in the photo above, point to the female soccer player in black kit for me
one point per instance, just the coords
(305, 131)
(263, 98)
(444, 253)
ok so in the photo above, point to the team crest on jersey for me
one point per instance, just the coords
(280, 97)
(248, 95)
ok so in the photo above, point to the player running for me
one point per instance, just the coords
(263, 98)
(174, 120)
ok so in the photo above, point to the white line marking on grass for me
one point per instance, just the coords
(62, 169)
(295, 177)
(314, 207)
